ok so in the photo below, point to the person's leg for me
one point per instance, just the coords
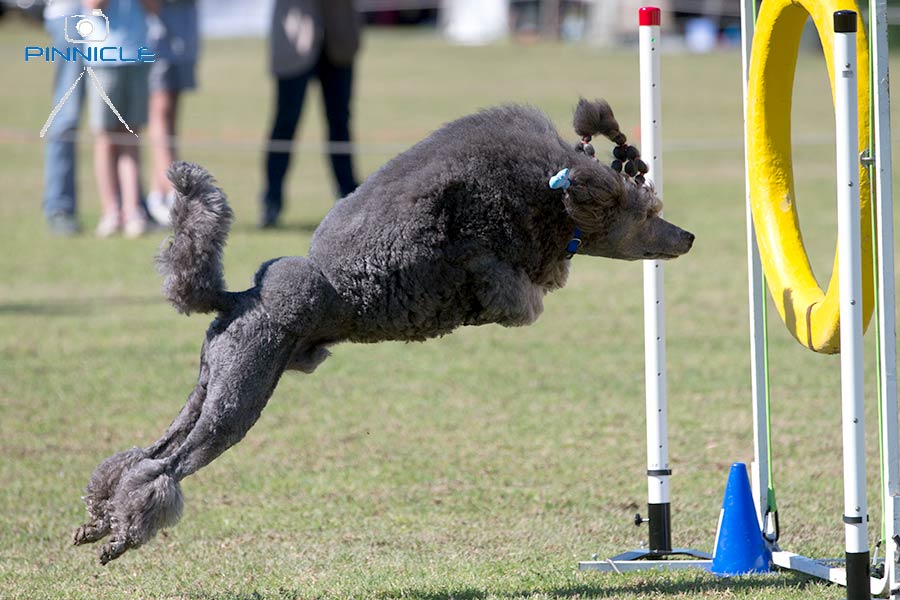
(291, 92)
(161, 127)
(128, 170)
(128, 164)
(104, 125)
(337, 92)
(162, 113)
(60, 194)
(167, 83)
(105, 172)
(126, 88)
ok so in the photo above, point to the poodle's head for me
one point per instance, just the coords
(619, 218)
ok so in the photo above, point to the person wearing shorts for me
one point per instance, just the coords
(117, 106)
(173, 35)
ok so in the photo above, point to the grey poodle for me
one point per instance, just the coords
(461, 229)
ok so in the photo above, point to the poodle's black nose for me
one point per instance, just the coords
(689, 238)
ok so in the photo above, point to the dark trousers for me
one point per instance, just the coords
(337, 88)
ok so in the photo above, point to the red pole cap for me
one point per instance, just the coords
(648, 15)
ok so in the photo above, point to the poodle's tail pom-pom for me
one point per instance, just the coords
(191, 260)
(596, 117)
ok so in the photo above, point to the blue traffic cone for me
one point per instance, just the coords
(740, 547)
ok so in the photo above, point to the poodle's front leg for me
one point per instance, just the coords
(245, 357)
(507, 296)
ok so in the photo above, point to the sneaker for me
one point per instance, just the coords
(135, 226)
(108, 225)
(160, 207)
(63, 224)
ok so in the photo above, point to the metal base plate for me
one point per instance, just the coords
(823, 569)
(644, 560)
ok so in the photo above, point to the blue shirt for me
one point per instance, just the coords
(173, 35)
(124, 24)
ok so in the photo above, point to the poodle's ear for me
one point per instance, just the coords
(593, 194)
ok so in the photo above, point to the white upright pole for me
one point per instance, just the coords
(658, 470)
(657, 555)
(849, 273)
(890, 452)
(759, 470)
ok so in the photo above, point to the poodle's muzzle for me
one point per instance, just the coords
(684, 241)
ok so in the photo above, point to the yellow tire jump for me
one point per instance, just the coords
(811, 315)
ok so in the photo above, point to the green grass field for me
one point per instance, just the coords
(481, 465)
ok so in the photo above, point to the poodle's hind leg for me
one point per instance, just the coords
(106, 477)
(246, 358)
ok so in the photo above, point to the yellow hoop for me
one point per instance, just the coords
(811, 315)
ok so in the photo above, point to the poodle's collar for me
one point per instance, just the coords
(574, 244)
(561, 181)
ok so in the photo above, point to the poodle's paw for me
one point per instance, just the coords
(113, 549)
(147, 499)
(91, 532)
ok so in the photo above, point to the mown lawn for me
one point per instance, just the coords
(485, 464)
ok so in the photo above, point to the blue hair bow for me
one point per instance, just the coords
(560, 180)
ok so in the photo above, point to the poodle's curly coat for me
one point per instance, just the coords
(462, 229)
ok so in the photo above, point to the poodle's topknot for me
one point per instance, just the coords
(593, 117)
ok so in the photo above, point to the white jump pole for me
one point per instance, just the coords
(849, 273)
(658, 470)
(890, 452)
(759, 470)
